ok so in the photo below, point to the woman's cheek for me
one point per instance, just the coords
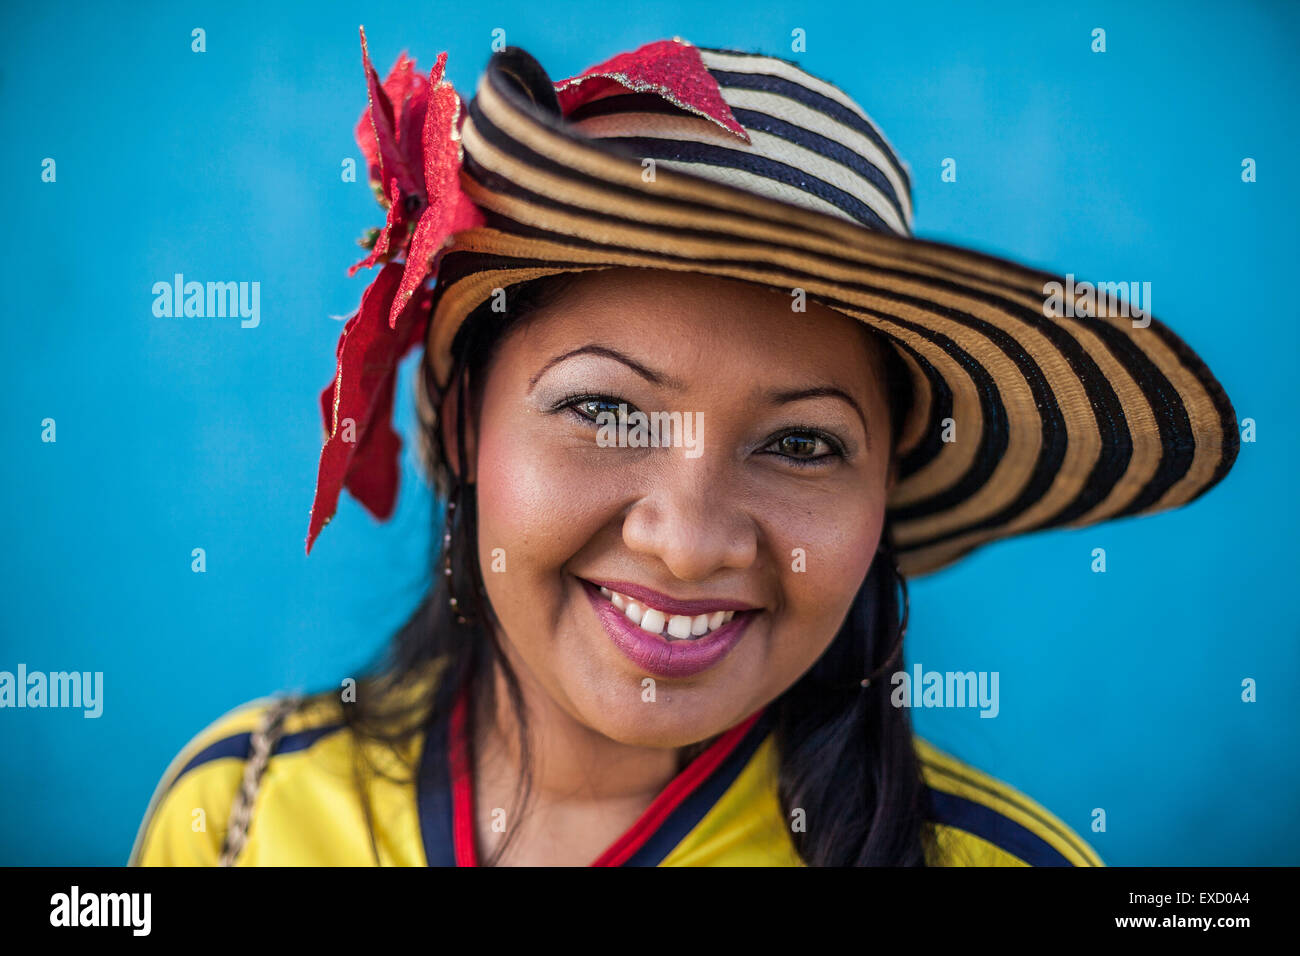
(520, 503)
(538, 507)
(826, 559)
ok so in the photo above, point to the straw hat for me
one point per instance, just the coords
(1039, 402)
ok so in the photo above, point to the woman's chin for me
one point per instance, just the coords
(660, 715)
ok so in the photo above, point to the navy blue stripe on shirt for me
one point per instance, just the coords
(987, 824)
(433, 798)
(704, 798)
(240, 745)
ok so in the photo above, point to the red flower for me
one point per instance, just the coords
(409, 137)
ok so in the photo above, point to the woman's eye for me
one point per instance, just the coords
(591, 407)
(805, 448)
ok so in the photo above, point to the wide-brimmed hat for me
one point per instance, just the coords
(1039, 401)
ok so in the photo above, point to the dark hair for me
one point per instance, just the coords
(846, 754)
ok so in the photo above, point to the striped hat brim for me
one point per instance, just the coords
(1061, 421)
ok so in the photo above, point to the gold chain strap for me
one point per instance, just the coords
(264, 740)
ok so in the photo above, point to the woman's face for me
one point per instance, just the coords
(766, 492)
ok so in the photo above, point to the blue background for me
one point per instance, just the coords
(1119, 690)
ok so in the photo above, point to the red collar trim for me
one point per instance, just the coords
(462, 785)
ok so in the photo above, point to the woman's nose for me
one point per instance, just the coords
(693, 520)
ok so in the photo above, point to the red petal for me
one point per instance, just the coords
(376, 464)
(376, 101)
(368, 354)
(671, 68)
(410, 130)
(449, 210)
(395, 223)
(404, 85)
(377, 132)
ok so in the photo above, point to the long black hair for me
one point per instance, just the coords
(850, 783)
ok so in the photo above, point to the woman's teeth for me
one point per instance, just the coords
(681, 627)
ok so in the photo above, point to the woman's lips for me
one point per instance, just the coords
(671, 605)
(656, 653)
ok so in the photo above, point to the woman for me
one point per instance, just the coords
(696, 402)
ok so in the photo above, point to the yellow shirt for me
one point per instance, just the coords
(722, 810)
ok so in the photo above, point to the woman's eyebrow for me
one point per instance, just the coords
(655, 378)
(820, 391)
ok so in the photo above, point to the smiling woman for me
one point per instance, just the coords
(680, 652)
(675, 541)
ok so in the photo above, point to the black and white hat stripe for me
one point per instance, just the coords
(864, 163)
(758, 112)
(749, 71)
(798, 125)
(775, 107)
(799, 175)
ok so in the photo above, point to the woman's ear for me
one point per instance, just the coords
(447, 414)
